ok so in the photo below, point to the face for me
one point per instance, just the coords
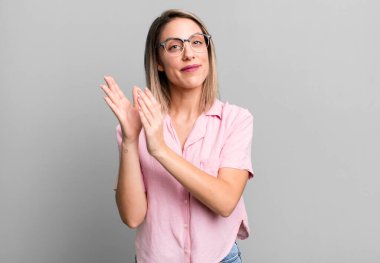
(190, 69)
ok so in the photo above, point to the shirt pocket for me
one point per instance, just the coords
(210, 166)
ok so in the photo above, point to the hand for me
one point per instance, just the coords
(152, 120)
(126, 113)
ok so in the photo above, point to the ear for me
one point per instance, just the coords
(160, 68)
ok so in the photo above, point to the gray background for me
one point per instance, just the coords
(307, 70)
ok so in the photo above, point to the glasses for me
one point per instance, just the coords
(174, 46)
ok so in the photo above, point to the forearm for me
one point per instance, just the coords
(215, 193)
(130, 195)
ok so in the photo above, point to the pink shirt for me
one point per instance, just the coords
(178, 228)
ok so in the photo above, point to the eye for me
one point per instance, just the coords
(197, 43)
(174, 45)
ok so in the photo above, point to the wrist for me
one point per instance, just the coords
(161, 153)
(128, 142)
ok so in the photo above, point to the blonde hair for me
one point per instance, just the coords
(157, 81)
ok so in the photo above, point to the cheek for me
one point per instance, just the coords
(205, 59)
(172, 69)
(207, 67)
(170, 66)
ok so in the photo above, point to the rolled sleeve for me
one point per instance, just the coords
(236, 151)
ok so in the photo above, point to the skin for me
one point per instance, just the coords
(220, 194)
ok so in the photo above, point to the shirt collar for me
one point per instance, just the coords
(199, 130)
(215, 109)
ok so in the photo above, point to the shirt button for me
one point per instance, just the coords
(185, 225)
(185, 201)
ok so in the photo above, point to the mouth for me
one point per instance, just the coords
(190, 68)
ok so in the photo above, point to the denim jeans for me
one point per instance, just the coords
(232, 257)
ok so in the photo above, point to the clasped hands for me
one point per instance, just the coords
(145, 113)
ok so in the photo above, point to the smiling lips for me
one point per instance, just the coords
(190, 68)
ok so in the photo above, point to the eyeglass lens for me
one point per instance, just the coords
(197, 42)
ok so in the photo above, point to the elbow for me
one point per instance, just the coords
(227, 210)
(132, 220)
(131, 223)
(130, 216)
(228, 207)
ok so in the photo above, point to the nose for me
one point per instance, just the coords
(188, 52)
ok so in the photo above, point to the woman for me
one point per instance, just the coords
(185, 156)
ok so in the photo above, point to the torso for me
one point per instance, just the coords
(219, 138)
(183, 129)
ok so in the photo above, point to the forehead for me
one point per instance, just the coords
(180, 27)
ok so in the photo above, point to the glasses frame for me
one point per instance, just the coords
(206, 36)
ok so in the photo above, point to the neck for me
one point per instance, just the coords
(185, 103)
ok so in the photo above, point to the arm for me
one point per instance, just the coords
(221, 194)
(130, 194)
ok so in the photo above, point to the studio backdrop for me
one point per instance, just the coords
(308, 71)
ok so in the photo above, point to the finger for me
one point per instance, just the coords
(115, 98)
(147, 102)
(150, 95)
(114, 86)
(107, 79)
(143, 119)
(112, 106)
(117, 88)
(156, 106)
(145, 110)
(135, 94)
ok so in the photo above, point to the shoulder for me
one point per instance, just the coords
(232, 113)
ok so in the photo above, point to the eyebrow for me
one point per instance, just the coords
(172, 38)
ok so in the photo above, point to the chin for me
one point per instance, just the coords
(193, 85)
(189, 84)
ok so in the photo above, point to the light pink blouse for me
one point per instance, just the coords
(178, 228)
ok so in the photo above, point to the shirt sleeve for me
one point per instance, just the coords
(236, 151)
